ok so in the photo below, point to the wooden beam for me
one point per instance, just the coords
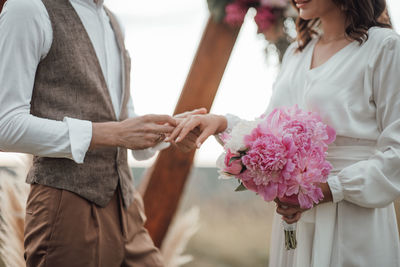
(164, 183)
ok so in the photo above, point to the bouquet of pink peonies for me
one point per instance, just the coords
(282, 155)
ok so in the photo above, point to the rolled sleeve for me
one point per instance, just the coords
(80, 136)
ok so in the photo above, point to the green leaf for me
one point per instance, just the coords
(240, 188)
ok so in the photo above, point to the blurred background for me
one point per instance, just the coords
(162, 38)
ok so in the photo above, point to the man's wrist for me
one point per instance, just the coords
(105, 134)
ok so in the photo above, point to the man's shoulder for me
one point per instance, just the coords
(25, 10)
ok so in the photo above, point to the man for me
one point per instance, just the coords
(64, 76)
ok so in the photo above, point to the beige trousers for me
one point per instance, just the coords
(64, 229)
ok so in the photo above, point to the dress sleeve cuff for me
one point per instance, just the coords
(80, 136)
(232, 120)
(147, 153)
(336, 188)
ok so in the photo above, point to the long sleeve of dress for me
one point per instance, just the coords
(375, 182)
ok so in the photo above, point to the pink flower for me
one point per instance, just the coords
(266, 155)
(235, 13)
(233, 163)
(264, 18)
(248, 2)
(247, 179)
(284, 156)
(269, 192)
(274, 3)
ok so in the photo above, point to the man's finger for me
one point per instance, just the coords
(158, 129)
(162, 119)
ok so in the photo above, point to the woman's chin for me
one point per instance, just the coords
(304, 14)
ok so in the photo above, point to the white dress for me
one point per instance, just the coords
(357, 92)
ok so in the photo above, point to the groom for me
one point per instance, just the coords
(64, 75)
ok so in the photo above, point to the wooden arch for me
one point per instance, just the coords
(164, 183)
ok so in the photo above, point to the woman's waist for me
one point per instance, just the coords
(346, 151)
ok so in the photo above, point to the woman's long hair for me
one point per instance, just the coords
(360, 16)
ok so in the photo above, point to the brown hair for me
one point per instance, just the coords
(360, 15)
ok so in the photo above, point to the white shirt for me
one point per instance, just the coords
(25, 39)
(357, 92)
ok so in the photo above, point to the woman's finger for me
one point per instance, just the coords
(293, 219)
(177, 130)
(286, 212)
(192, 112)
(203, 136)
(187, 128)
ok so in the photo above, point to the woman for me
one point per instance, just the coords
(345, 65)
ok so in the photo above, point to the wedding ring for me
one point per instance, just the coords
(160, 138)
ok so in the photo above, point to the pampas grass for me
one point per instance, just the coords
(13, 195)
(177, 238)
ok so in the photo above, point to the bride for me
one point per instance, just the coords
(344, 65)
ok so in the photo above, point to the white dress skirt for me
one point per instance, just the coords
(357, 92)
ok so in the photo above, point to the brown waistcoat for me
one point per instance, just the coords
(69, 83)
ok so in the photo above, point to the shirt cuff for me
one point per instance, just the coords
(147, 153)
(336, 188)
(80, 136)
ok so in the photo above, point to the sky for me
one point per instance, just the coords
(162, 37)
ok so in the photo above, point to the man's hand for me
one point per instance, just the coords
(135, 133)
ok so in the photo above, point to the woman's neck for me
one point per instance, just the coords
(333, 25)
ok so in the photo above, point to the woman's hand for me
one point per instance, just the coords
(291, 212)
(207, 124)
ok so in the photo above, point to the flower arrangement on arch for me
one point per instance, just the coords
(274, 18)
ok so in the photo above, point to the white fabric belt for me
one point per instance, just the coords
(343, 156)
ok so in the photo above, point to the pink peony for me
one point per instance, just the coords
(235, 13)
(284, 156)
(274, 3)
(264, 18)
(233, 163)
(266, 155)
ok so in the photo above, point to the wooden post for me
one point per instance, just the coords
(164, 182)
